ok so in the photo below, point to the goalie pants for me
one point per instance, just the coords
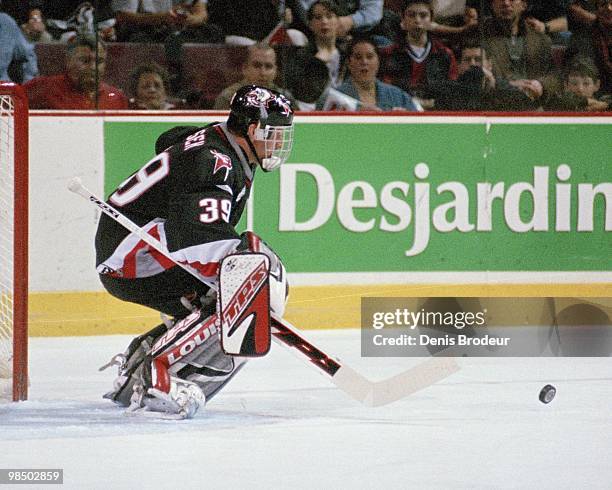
(162, 292)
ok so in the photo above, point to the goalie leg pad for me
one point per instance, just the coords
(190, 351)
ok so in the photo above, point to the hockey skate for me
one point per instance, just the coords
(130, 365)
(130, 362)
(181, 402)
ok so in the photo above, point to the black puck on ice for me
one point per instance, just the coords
(547, 394)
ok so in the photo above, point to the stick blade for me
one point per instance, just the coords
(354, 384)
(414, 379)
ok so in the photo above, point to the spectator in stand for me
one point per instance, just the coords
(309, 84)
(519, 53)
(549, 17)
(582, 79)
(304, 76)
(70, 18)
(545, 16)
(323, 40)
(581, 16)
(418, 59)
(246, 22)
(581, 83)
(323, 23)
(361, 83)
(149, 85)
(598, 45)
(157, 20)
(80, 87)
(34, 30)
(173, 22)
(259, 69)
(476, 88)
(362, 17)
(17, 58)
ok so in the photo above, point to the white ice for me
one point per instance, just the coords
(279, 424)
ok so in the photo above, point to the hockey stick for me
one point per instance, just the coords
(371, 393)
(75, 185)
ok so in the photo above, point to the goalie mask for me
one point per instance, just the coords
(274, 117)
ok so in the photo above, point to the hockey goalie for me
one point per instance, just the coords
(190, 197)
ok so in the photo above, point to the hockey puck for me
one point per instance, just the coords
(547, 394)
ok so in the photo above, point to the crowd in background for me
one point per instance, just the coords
(374, 55)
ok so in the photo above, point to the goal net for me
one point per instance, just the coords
(13, 242)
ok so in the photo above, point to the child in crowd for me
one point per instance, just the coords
(581, 83)
(582, 79)
(418, 60)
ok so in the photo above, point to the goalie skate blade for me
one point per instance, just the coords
(144, 412)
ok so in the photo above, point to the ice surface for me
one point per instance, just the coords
(279, 424)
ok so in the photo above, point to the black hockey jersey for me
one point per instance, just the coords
(190, 197)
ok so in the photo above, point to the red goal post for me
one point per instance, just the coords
(13, 242)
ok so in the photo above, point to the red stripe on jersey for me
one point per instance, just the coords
(164, 261)
(210, 269)
(129, 263)
(130, 260)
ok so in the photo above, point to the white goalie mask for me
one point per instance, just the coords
(278, 142)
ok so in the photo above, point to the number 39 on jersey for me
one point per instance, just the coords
(214, 209)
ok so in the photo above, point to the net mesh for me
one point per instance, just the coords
(7, 188)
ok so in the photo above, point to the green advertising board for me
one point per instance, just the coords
(403, 195)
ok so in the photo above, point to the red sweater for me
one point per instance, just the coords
(58, 92)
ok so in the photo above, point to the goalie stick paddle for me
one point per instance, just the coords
(358, 387)
(370, 393)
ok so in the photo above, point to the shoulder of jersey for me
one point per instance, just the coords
(211, 150)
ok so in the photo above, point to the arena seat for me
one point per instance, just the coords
(209, 68)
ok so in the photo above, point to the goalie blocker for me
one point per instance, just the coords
(244, 304)
(250, 286)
